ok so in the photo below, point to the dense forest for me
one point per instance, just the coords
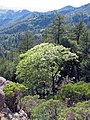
(48, 67)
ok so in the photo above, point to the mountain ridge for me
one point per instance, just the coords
(18, 21)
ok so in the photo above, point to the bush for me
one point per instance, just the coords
(80, 112)
(13, 93)
(79, 91)
(30, 102)
(56, 110)
(13, 89)
(47, 110)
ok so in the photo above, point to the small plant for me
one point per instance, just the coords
(14, 93)
(13, 89)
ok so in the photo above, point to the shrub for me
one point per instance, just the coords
(13, 93)
(13, 89)
(80, 112)
(79, 91)
(47, 110)
(30, 102)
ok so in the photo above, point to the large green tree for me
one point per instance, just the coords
(41, 66)
(79, 29)
(85, 56)
(56, 30)
(80, 44)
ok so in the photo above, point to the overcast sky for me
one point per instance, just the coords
(41, 5)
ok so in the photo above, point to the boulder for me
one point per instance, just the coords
(2, 82)
(2, 99)
(22, 113)
(16, 115)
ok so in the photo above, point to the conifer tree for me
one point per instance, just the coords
(56, 30)
(26, 42)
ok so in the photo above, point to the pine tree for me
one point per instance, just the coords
(55, 31)
(26, 42)
(78, 31)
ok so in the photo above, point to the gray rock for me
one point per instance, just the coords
(2, 99)
(10, 116)
(16, 115)
(6, 109)
(2, 81)
(24, 118)
(15, 119)
(22, 113)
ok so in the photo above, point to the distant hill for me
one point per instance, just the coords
(18, 21)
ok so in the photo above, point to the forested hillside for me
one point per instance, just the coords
(45, 60)
(19, 21)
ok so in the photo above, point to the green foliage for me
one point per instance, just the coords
(80, 112)
(43, 68)
(56, 31)
(39, 64)
(7, 69)
(13, 89)
(79, 91)
(26, 43)
(79, 30)
(47, 110)
(30, 102)
(85, 63)
(55, 109)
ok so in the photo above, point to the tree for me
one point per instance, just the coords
(78, 31)
(26, 42)
(8, 68)
(82, 35)
(56, 30)
(40, 67)
(79, 43)
(85, 56)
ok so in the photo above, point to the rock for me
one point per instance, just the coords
(24, 118)
(2, 81)
(15, 119)
(10, 116)
(2, 117)
(2, 99)
(6, 111)
(20, 116)
(22, 113)
(16, 115)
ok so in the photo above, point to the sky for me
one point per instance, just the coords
(40, 5)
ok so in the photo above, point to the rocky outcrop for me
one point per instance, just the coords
(2, 82)
(2, 99)
(20, 116)
(7, 115)
(5, 112)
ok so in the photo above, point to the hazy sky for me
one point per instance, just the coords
(41, 5)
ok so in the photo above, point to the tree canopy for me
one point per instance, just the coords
(41, 66)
